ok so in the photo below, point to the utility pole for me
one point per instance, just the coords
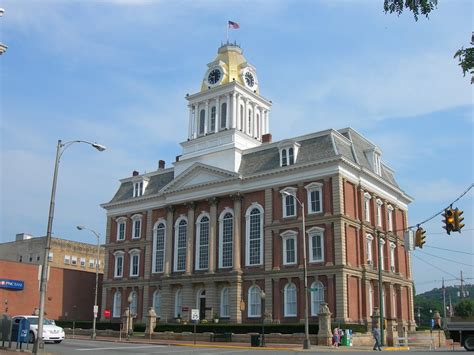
(444, 304)
(463, 294)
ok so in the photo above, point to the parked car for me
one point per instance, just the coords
(51, 332)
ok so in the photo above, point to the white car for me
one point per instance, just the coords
(51, 332)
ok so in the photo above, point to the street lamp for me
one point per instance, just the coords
(61, 147)
(129, 315)
(306, 341)
(262, 297)
(96, 307)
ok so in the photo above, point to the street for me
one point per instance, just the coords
(76, 346)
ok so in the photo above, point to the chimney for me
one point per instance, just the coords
(161, 164)
(23, 236)
(267, 138)
(135, 173)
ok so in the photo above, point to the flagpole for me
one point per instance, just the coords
(227, 31)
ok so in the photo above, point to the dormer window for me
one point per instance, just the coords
(377, 164)
(139, 186)
(288, 153)
(373, 156)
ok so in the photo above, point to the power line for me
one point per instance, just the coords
(426, 262)
(444, 233)
(440, 257)
(451, 250)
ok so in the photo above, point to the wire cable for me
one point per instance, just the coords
(440, 257)
(430, 264)
(451, 250)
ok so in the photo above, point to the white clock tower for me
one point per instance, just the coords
(227, 116)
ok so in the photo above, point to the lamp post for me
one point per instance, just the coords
(129, 315)
(61, 147)
(262, 296)
(96, 307)
(306, 341)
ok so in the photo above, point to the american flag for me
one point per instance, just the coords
(233, 25)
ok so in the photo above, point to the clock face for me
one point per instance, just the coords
(249, 79)
(214, 76)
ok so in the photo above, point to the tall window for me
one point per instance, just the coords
(379, 213)
(180, 244)
(369, 240)
(157, 303)
(291, 156)
(137, 226)
(367, 198)
(178, 302)
(290, 300)
(117, 305)
(202, 121)
(159, 238)
(134, 303)
(121, 223)
(317, 297)
(254, 301)
(134, 262)
(213, 118)
(382, 253)
(289, 247)
(226, 231)
(118, 269)
(371, 299)
(223, 115)
(316, 244)
(392, 256)
(390, 218)
(284, 161)
(254, 240)
(202, 247)
(225, 302)
(289, 202)
(314, 197)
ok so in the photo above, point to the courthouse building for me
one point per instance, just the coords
(216, 229)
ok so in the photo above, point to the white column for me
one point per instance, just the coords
(218, 114)
(267, 123)
(245, 127)
(206, 118)
(190, 127)
(196, 120)
(227, 118)
(234, 110)
(255, 125)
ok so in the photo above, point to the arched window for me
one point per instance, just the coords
(213, 118)
(254, 233)
(223, 115)
(181, 234)
(242, 128)
(178, 302)
(202, 247)
(369, 240)
(291, 156)
(117, 305)
(289, 247)
(254, 301)
(290, 300)
(226, 231)
(157, 303)
(317, 297)
(371, 299)
(134, 303)
(202, 121)
(316, 244)
(159, 242)
(225, 302)
(284, 161)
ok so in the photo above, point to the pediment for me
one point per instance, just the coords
(198, 175)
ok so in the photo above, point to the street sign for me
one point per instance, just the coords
(195, 314)
(96, 310)
(185, 309)
(106, 313)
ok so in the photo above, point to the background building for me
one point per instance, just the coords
(215, 230)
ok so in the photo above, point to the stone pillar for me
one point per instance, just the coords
(206, 118)
(234, 110)
(237, 232)
(212, 300)
(245, 127)
(227, 112)
(105, 292)
(127, 321)
(391, 333)
(169, 241)
(236, 300)
(375, 318)
(324, 332)
(212, 235)
(218, 114)
(167, 304)
(146, 300)
(150, 322)
(341, 296)
(190, 239)
(268, 251)
(149, 242)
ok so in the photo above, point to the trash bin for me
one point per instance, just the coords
(346, 338)
(255, 340)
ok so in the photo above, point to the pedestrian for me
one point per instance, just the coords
(341, 334)
(376, 334)
(335, 337)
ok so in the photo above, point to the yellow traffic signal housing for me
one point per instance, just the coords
(449, 220)
(420, 237)
(457, 220)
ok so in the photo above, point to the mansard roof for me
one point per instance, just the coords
(320, 147)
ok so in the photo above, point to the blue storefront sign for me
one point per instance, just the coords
(12, 284)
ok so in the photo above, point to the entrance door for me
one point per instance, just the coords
(202, 304)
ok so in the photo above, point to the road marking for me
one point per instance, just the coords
(121, 347)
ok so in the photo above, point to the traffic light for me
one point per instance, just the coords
(457, 220)
(449, 220)
(420, 237)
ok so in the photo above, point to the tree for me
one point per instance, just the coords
(465, 308)
(424, 7)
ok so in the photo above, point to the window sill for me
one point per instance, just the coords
(290, 217)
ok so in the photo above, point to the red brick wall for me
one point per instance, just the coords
(349, 199)
(353, 297)
(352, 246)
(70, 293)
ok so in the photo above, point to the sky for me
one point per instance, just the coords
(116, 72)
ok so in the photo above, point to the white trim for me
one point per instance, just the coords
(221, 235)
(116, 313)
(119, 255)
(314, 186)
(285, 236)
(314, 232)
(370, 299)
(286, 312)
(370, 257)
(119, 221)
(154, 248)
(197, 263)
(224, 311)
(315, 284)
(176, 235)
(134, 253)
(379, 212)
(389, 218)
(136, 218)
(285, 198)
(382, 253)
(247, 233)
(392, 256)
(367, 198)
